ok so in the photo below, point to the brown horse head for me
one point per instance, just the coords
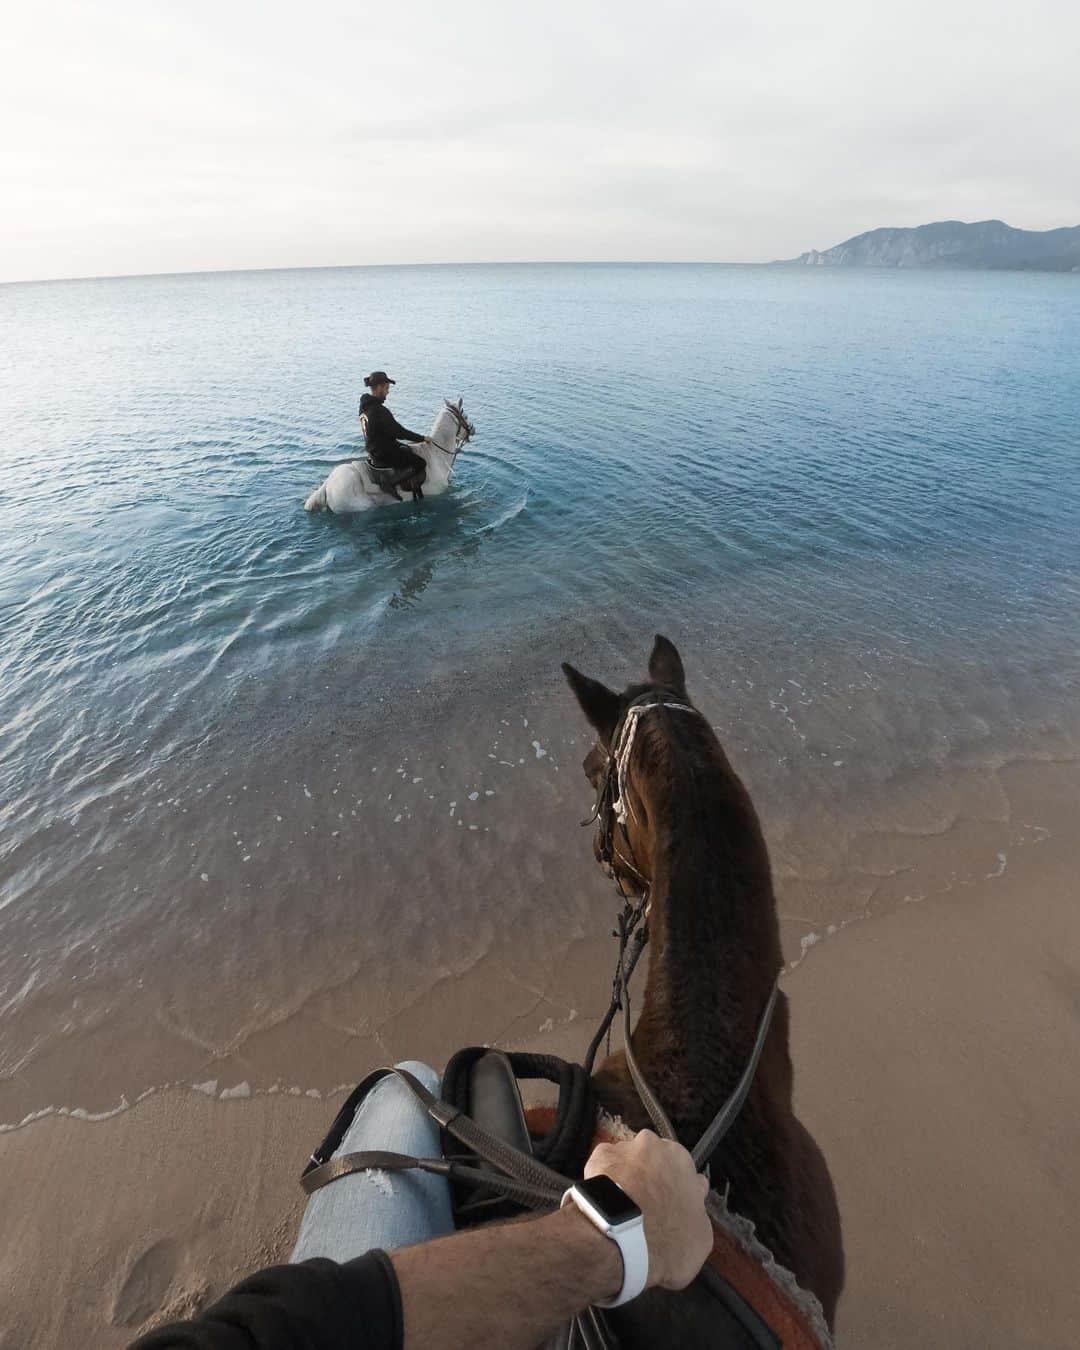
(605, 712)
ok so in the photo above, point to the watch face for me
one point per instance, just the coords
(610, 1199)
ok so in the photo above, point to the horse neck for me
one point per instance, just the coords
(444, 429)
(714, 941)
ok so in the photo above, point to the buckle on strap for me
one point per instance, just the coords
(442, 1112)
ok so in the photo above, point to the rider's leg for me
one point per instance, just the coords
(385, 478)
(414, 483)
(404, 469)
(381, 1209)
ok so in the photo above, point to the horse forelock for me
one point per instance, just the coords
(673, 743)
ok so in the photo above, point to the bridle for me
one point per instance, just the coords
(464, 432)
(611, 812)
(613, 806)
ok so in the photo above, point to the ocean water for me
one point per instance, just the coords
(267, 779)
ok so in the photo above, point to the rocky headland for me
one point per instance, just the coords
(954, 243)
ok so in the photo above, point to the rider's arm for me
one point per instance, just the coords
(402, 433)
(517, 1282)
(528, 1278)
(319, 1305)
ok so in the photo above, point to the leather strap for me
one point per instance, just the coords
(725, 1117)
(525, 1178)
(346, 1164)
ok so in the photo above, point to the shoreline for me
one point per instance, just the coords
(937, 1105)
(485, 985)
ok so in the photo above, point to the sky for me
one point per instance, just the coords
(188, 136)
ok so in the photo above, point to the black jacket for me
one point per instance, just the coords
(382, 431)
(316, 1305)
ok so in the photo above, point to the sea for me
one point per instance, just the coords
(273, 786)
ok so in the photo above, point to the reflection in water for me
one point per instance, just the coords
(412, 587)
(425, 538)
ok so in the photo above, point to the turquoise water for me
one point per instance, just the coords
(852, 496)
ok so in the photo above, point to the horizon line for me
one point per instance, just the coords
(519, 262)
(348, 267)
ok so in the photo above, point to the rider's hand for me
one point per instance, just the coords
(659, 1176)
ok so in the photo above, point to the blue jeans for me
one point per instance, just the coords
(375, 1208)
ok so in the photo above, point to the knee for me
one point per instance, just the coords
(426, 1074)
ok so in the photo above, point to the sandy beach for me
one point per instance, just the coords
(936, 1055)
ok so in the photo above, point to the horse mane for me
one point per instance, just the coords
(709, 830)
(712, 894)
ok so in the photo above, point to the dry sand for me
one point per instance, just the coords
(937, 1053)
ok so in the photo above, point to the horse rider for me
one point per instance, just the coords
(378, 1266)
(383, 435)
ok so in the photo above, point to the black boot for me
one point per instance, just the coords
(386, 480)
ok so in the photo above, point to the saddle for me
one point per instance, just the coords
(387, 478)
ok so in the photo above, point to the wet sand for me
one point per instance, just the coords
(937, 1061)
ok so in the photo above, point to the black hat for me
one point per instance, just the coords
(378, 377)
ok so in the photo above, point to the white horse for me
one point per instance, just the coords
(351, 487)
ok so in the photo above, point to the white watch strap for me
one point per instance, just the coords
(630, 1241)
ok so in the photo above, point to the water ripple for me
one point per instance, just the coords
(865, 471)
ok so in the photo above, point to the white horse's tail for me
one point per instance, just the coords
(317, 500)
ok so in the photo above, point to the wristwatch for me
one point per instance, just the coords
(607, 1206)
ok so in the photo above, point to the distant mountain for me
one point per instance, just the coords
(955, 243)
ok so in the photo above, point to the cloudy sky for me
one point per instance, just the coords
(152, 137)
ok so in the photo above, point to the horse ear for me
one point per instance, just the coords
(599, 704)
(666, 667)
